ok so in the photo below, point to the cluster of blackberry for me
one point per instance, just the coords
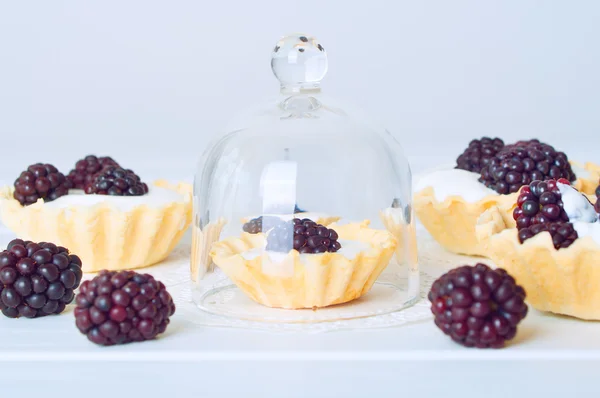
(506, 168)
(540, 208)
(303, 235)
(95, 175)
(39, 279)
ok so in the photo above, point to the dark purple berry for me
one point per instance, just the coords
(483, 311)
(303, 235)
(479, 153)
(122, 307)
(115, 181)
(519, 164)
(87, 168)
(30, 281)
(40, 181)
(540, 209)
(563, 233)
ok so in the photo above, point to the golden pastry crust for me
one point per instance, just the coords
(591, 182)
(103, 236)
(452, 222)
(294, 281)
(561, 281)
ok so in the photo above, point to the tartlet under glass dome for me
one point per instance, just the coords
(302, 209)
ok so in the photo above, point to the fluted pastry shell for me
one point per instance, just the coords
(561, 281)
(404, 232)
(591, 182)
(294, 281)
(102, 235)
(452, 222)
(202, 241)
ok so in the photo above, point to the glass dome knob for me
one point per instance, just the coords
(299, 61)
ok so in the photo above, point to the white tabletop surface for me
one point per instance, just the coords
(550, 355)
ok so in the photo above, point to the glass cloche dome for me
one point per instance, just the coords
(302, 210)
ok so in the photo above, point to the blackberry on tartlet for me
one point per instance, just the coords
(563, 233)
(479, 153)
(541, 208)
(40, 181)
(37, 279)
(303, 235)
(86, 169)
(261, 224)
(520, 164)
(122, 307)
(478, 306)
(540, 203)
(116, 181)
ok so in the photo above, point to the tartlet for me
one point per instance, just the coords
(452, 218)
(293, 281)
(105, 235)
(559, 273)
(452, 221)
(561, 281)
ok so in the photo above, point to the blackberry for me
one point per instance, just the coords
(122, 307)
(303, 235)
(85, 170)
(478, 306)
(539, 203)
(563, 233)
(116, 181)
(40, 181)
(479, 153)
(260, 224)
(520, 164)
(37, 279)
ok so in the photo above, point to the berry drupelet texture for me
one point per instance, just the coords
(261, 224)
(563, 233)
(37, 279)
(519, 164)
(122, 307)
(86, 169)
(478, 306)
(40, 181)
(479, 153)
(540, 203)
(303, 235)
(116, 181)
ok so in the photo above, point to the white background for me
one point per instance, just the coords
(153, 80)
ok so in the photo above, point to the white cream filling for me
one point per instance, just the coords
(576, 205)
(581, 212)
(350, 249)
(156, 198)
(454, 182)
